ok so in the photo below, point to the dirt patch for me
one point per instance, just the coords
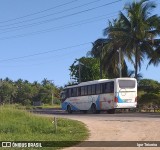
(120, 130)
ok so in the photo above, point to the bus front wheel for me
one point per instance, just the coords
(69, 110)
(93, 109)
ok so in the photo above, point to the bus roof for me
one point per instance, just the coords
(94, 82)
(98, 81)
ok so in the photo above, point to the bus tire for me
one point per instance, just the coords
(84, 111)
(93, 109)
(69, 110)
(98, 112)
(111, 111)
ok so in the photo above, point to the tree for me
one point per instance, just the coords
(150, 96)
(89, 69)
(97, 52)
(135, 33)
(7, 92)
(8, 80)
(106, 50)
(45, 81)
(154, 58)
(149, 85)
(23, 92)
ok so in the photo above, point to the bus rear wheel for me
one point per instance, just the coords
(84, 111)
(69, 110)
(111, 111)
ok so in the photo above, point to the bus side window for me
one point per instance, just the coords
(111, 87)
(93, 89)
(67, 93)
(85, 90)
(82, 91)
(89, 89)
(106, 87)
(71, 93)
(79, 91)
(98, 88)
(74, 92)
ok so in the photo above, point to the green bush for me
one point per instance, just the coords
(57, 101)
(149, 100)
(26, 102)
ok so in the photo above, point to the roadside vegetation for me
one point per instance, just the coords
(20, 125)
(148, 94)
(29, 94)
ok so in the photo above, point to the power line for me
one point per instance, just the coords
(36, 54)
(58, 18)
(51, 14)
(44, 61)
(38, 12)
(60, 27)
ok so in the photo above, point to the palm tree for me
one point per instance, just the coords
(97, 51)
(106, 51)
(136, 32)
(154, 58)
(45, 81)
(130, 73)
(36, 84)
(8, 80)
(110, 60)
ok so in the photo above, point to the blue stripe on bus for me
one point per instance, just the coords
(65, 104)
(74, 108)
(120, 100)
(98, 103)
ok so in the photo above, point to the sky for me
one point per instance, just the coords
(42, 38)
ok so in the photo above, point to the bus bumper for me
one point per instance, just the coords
(125, 105)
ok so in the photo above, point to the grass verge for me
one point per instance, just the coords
(45, 106)
(20, 125)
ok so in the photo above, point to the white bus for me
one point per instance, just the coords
(98, 95)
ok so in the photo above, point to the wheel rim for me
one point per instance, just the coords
(69, 109)
(93, 109)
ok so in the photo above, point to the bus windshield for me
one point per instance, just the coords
(63, 95)
(127, 84)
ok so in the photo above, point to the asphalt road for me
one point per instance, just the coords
(103, 115)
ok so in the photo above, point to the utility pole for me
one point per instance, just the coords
(79, 64)
(120, 63)
(51, 81)
(100, 59)
(52, 97)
